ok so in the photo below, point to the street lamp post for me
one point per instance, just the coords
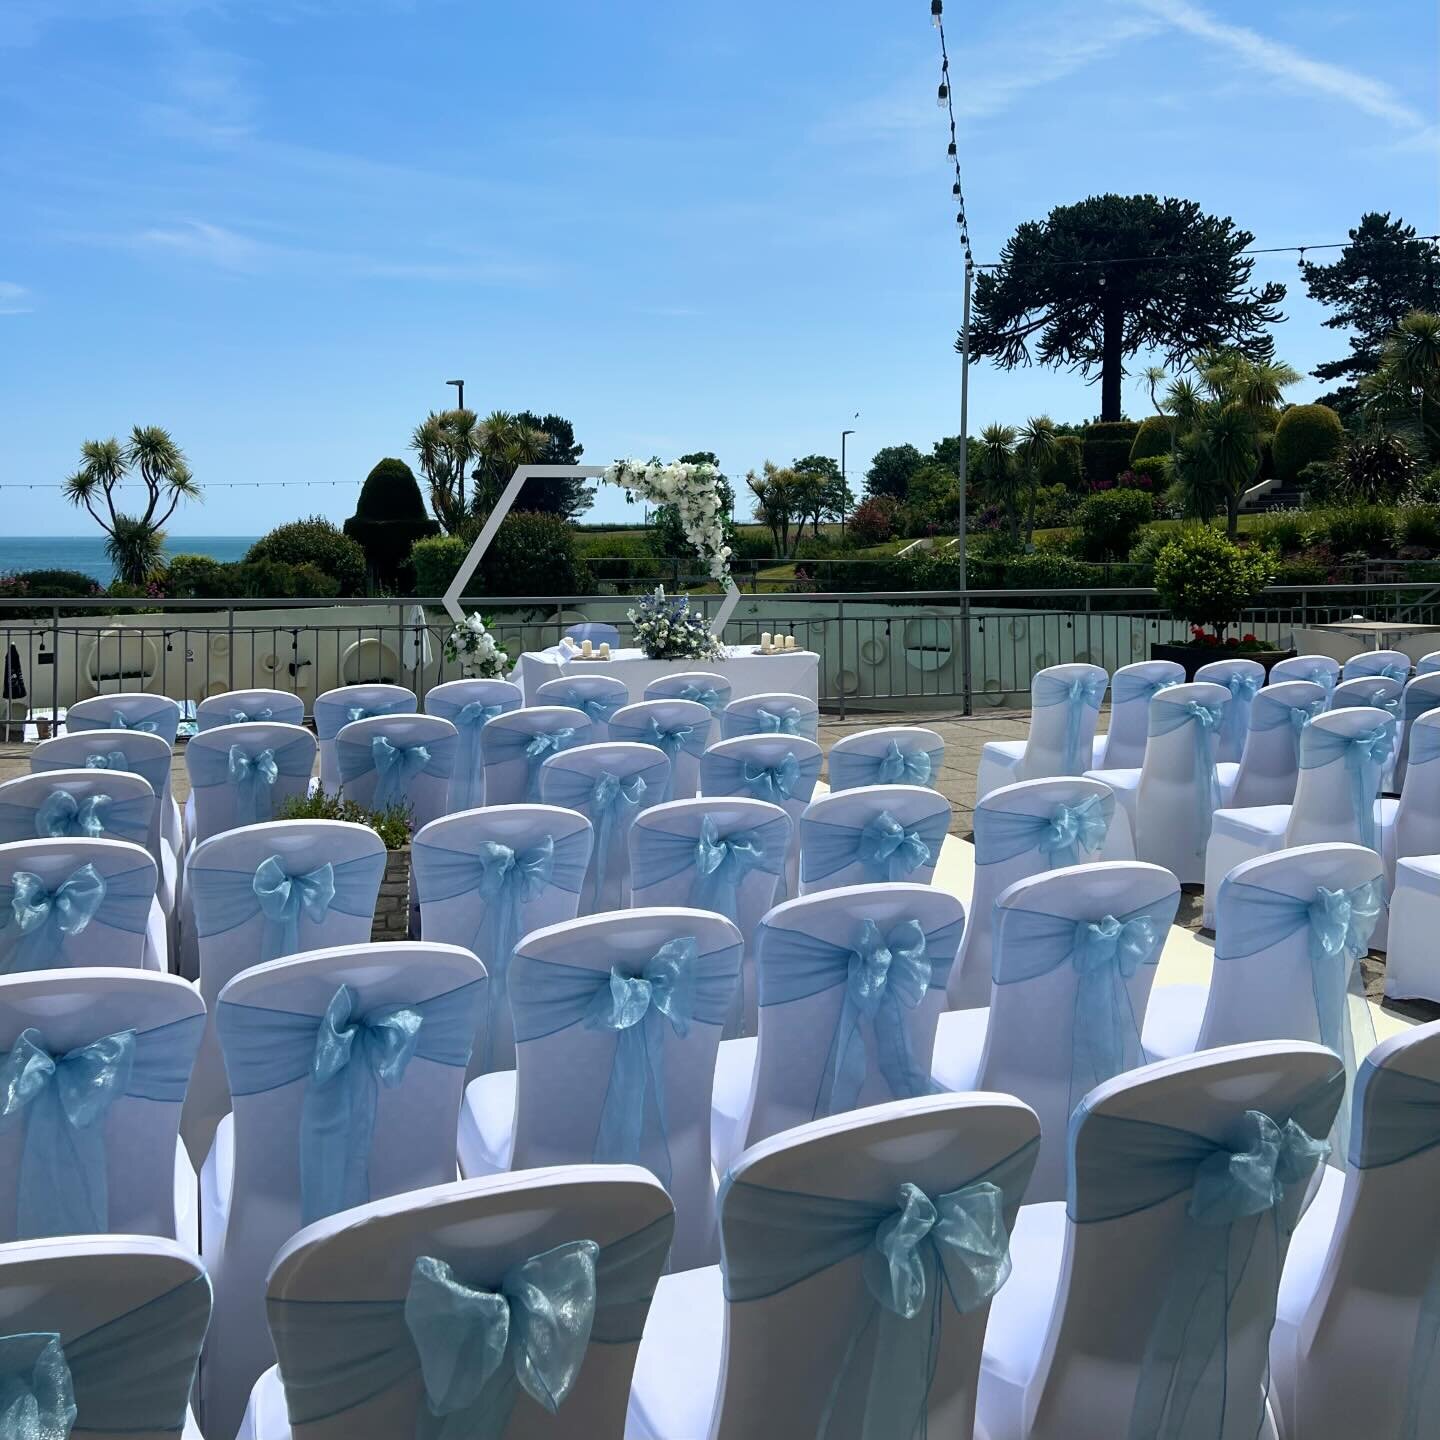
(844, 435)
(460, 397)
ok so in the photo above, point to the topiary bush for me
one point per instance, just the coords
(1204, 579)
(435, 561)
(1107, 449)
(1152, 438)
(874, 519)
(1154, 468)
(319, 543)
(1306, 434)
(389, 518)
(1110, 522)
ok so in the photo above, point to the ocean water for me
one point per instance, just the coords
(86, 553)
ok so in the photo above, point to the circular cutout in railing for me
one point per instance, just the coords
(991, 693)
(370, 662)
(873, 651)
(847, 682)
(1041, 662)
(928, 641)
(219, 644)
(1019, 629)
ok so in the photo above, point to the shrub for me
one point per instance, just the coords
(319, 543)
(1107, 449)
(1419, 526)
(1155, 468)
(532, 554)
(1283, 531)
(1425, 489)
(1367, 530)
(617, 557)
(1376, 466)
(1066, 464)
(874, 519)
(1301, 570)
(1047, 570)
(753, 542)
(198, 577)
(392, 825)
(1110, 521)
(1151, 439)
(389, 518)
(1205, 579)
(1151, 542)
(1056, 506)
(1306, 434)
(190, 576)
(49, 583)
(435, 561)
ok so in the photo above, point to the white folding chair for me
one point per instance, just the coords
(404, 760)
(1074, 956)
(1243, 679)
(245, 774)
(513, 747)
(127, 1316)
(773, 1342)
(1413, 865)
(593, 1082)
(235, 707)
(304, 1142)
(1381, 693)
(1064, 705)
(1392, 664)
(1270, 763)
(1421, 694)
(487, 877)
(710, 690)
(681, 728)
(774, 713)
(609, 785)
(1030, 828)
(506, 1248)
(873, 833)
(1132, 688)
(1428, 664)
(597, 696)
(467, 705)
(597, 632)
(1318, 668)
(337, 708)
(1352, 1352)
(81, 902)
(888, 755)
(1106, 1316)
(121, 1042)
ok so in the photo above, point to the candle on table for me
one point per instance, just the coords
(585, 649)
(604, 649)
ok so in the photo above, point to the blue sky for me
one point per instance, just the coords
(277, 227)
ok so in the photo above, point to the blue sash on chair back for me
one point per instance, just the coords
(778, 781)
(1204, 722)
(1060, 834)
(507, 742)
(1393, 705)
(886, 974)
(1424, 744)
(154, 769)
(62, 1100)
(922, 1259)
(64, 815)
(36, 921)
(469, 1347)
(719, 862)
(252, 770)
(674, 738)
(344, 1058)
(226, 899)
(674, 989)
(714, 701)
(397, 764)
(1128, 688)
(849, 769)
(466, 790)
(886, 847)
(609, 801)
(1078, 696)
(161, 719)
(1270, 714)
(1105, 954)
(132, 1373)
(599, 709)
(1365, 756)
(1243, 1206)
(331, 716)
(1243, 689)
(776, 719)
(504, 879)
(1316, 674)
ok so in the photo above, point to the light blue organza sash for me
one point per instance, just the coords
(719, 862)
(1127, 688)
(1316, 674)
(673, 739)
(922, 1258)
(1338, 925)
(469, 1347)
(470, 720)
(887, 849)
(504, 880)
(778, 781)
(1417, 702)
(1392, 705)
(1268, 714)
(62, 1100)
(712, 700)
(36, 921)
(252, 771)
(776, 720)
(163, 721)
(343, 1057)
(396, 767)
(851, 768)
(1365, 756)
(1077, 696)
(155, 771)
(1243, 1205)
(62, 815)
(226, 899)
(1424, 744)
(610, 802)
(507, 743)
(1105, 954)
(291, 713)
(1243, 689)
(1204, 722)
(885, 974)
(599, 708)
(131, 1374)
(331, 716)
(1059, 835)
(638, 1001)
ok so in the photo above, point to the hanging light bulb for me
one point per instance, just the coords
(952, 152)
(942, 95)
(955, 190)
(937, 8)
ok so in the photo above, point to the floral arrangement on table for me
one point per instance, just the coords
(667, 628)
(481, 656)
(692, 490)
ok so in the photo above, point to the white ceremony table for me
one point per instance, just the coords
(795, 672)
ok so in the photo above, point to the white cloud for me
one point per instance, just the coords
(14, 299)
(200, 240)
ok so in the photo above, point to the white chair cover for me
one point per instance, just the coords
(515, 745)
(1089, 1334)
(1380, 692)
(597, 632)
(1393, 664)
(246, 774)
(800, 1216)
(1132, 687)
(889, 755)
(597, 696)
(587, 1085)
(710, 690)
(1074, 956)
(337, 708)
(873, 833)
(365, 1378)
(235, 707)
(1428, 664)
(255, 1190)
(609, 785)
(774, 713)
(398, 760)
(467, 705)
(1064, 705)
(1421, 694)
(1319, 668)
(1270, 764)
(1243, 679)
(681, 728)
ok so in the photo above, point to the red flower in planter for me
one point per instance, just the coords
(1232, 641)
(1251, 639)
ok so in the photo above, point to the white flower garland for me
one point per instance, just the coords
(692, 489)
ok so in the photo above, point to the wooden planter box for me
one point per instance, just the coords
(392, 908)
(1192, 657)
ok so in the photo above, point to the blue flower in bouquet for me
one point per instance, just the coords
(667, 628)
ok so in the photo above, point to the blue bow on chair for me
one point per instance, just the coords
(44, 916)
(108, 760)
(887, 846)
(252, 776)
(609, 794)
(37, 1394)
(670, 739)
(397, 766)
(1107, 953)
(63, 1187)
(479, 1348)
(712, 700)
(284, 896)
(775, 783)
(721, 865)
(1396, 672)
(354, 1056)
(538, 748)
(61, 815)
(119, 722)
(475, 715)
(1078, 696)
(243, 717)
(363, 712)
(1366, 756)
(637, 1007)
(1205, 722)
(597, 709)
(899, 767)
(465, 780)
(1074, 828)
(787, 722)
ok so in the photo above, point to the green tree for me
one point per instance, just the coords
(778, 496)
(504, 442)
(1001, 475)
(135, 543)
(568, 498)
(667, 527)
(890, 471)
(389, 518)
(830, 498)
(1035, 445)
(447, 443)
(1101, 280)
(1405, 392)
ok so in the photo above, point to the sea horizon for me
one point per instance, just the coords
(86, 553)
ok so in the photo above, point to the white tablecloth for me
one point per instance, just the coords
(796, 672)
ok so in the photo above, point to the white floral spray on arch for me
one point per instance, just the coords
(694, 491)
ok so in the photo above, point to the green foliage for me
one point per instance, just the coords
(435, 561)
(752, 543)
(1282, 531)
(532, 554)
(1157, 467)
(1301, 570)
(1306, 434)
(890, 471)
(1376, 465)
(68, 583)
(389, 518)
(932, 506)
(1358, 529)
(1418, 526)
(874, 520)
(1205, 579)
(1055, 505)
(319, 543)
(1107, 449)
(1148, 545)
(1323, 482)
(392, 825)
(618, 557)
(568, 498)
(1066, 464)
(1154, 437)
(198, 577)
(1111, 521)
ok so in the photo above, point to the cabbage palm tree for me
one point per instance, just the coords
(1034, 447)
(1407, 385)
(503, 442)
(1002, 477)
(447, 443)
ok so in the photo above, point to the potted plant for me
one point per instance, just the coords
(1208, 582)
